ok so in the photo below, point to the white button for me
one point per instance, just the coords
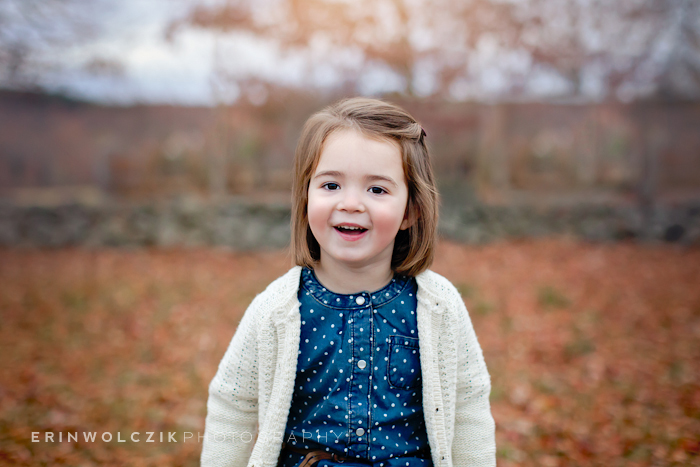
(360, 300)
(360, 431)
(362, 364)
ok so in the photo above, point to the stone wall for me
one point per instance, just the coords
(243, 224)
(237, 224)
(479, 224)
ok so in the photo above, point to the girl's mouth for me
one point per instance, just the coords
(350, 232)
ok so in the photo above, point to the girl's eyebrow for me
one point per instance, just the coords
(371, 178)
(329, 173)
(384, 178)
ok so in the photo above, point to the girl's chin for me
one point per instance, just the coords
(356, 259)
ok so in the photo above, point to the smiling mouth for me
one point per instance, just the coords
(348, 230)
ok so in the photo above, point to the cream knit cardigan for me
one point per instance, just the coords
(251, 393)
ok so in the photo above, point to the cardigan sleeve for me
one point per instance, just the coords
(232, 408)
(474, 442)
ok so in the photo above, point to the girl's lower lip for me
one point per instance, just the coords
(351, 237)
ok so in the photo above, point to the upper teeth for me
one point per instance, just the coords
(349, 227)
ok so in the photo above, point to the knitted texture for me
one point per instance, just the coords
(251, 393)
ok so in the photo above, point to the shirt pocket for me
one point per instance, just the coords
(404, 362)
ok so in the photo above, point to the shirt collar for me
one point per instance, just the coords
(393, 289)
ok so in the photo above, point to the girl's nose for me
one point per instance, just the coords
(351, 201)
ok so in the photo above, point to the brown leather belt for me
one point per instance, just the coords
(312, 457)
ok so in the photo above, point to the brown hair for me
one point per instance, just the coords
(414, 247)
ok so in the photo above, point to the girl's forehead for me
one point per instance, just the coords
(353, 151)
(349, 145)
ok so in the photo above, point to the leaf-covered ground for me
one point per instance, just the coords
(594, 350)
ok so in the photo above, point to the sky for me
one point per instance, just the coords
(182, 70)
(153, 69)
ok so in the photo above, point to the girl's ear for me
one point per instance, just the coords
(408, 219)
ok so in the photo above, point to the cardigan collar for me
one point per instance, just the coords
(287, 304)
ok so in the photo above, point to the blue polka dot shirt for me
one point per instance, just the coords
(357, 391)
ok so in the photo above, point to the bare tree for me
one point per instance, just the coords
(679, 75)
(600, 48)
(400, 35)
(621, 45)
(31, 31)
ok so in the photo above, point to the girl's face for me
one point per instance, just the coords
(357, 200)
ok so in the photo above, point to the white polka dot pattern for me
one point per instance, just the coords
(344, 414)
(252, 391)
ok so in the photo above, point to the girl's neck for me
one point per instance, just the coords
(345, 280)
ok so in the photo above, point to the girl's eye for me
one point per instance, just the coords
(331, 186)
(377, 190)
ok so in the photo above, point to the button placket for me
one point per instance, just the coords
(361, 352)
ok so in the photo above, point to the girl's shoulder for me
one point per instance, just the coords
(436, 285)
(440, 295)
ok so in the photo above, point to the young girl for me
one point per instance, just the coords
(359, 355)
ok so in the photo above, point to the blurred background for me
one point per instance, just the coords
(586, 110)
(158, 137)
